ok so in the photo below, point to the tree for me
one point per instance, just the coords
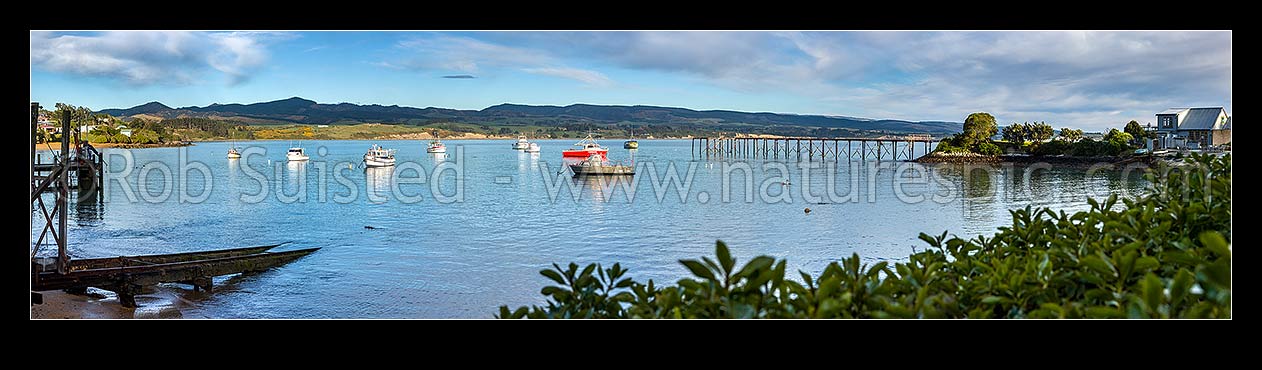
(1137, 132)
(1070, 135)
(1118, 139)
(1014, 133)
(978, 128)
(1039, 132)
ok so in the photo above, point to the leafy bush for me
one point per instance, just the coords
(1094, 148)
(949, 145)
(1118, 139)
(1054, 147)
(1166, 254)
(144, 136)
(988, 148)
(120, 138)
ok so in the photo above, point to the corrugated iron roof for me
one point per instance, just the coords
(1201, 119)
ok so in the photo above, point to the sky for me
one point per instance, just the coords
(1087, 80)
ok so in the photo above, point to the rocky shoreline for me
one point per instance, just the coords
(972, 158)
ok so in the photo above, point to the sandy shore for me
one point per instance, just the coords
(61, 305)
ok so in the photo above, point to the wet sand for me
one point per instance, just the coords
(61, 305)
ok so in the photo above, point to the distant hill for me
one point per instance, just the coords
(299, 110)
(146, 108)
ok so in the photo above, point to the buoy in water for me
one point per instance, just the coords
(807, 210)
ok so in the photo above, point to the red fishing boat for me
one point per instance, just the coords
(587, 147)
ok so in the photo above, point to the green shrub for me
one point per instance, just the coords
(1054, 147)
(1166, 254)
(1119, 139)
(987, 148)
(1094, 148)
(144, 136)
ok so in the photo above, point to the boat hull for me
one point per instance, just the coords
(604, 154)
(580, 170)
(436, 150)
(234, 156)
(294, 158)
(631, 145)
(376, 162)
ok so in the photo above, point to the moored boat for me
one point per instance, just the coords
(596, 165)
(379, 157)
(522, 143)
(631, 143)
(296, 154)
(532, 148)
(436, 146)
(233, 153)
(588, 146)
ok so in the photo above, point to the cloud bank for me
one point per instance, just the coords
(149, 58)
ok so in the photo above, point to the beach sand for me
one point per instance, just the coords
(103, 305)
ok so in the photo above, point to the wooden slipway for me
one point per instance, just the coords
(126, 275)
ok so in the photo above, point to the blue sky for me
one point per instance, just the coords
(1090, 80)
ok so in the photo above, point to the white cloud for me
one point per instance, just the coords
(145, 58)
(590, 78)
(1081, 79)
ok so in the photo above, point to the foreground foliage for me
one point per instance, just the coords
(1164, 255)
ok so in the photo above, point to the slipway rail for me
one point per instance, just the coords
(127, 281)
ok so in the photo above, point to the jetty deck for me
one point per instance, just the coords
(811, 148)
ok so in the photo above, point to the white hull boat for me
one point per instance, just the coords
(379, 157)
(296, 154)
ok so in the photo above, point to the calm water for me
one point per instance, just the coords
(439, 258)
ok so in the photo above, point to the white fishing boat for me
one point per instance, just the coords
(522, 143)
(436, 146)
(379, 157)
(296, 154)
(532, 148)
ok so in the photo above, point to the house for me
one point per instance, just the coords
(125, 131)
(1192, 128)
(1097, 136)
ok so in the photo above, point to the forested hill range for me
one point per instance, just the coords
(299, 110)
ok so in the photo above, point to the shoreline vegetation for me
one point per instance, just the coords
(1165, 254)
(1038, 142)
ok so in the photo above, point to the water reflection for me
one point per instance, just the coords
(89, 210)
(378, 180)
